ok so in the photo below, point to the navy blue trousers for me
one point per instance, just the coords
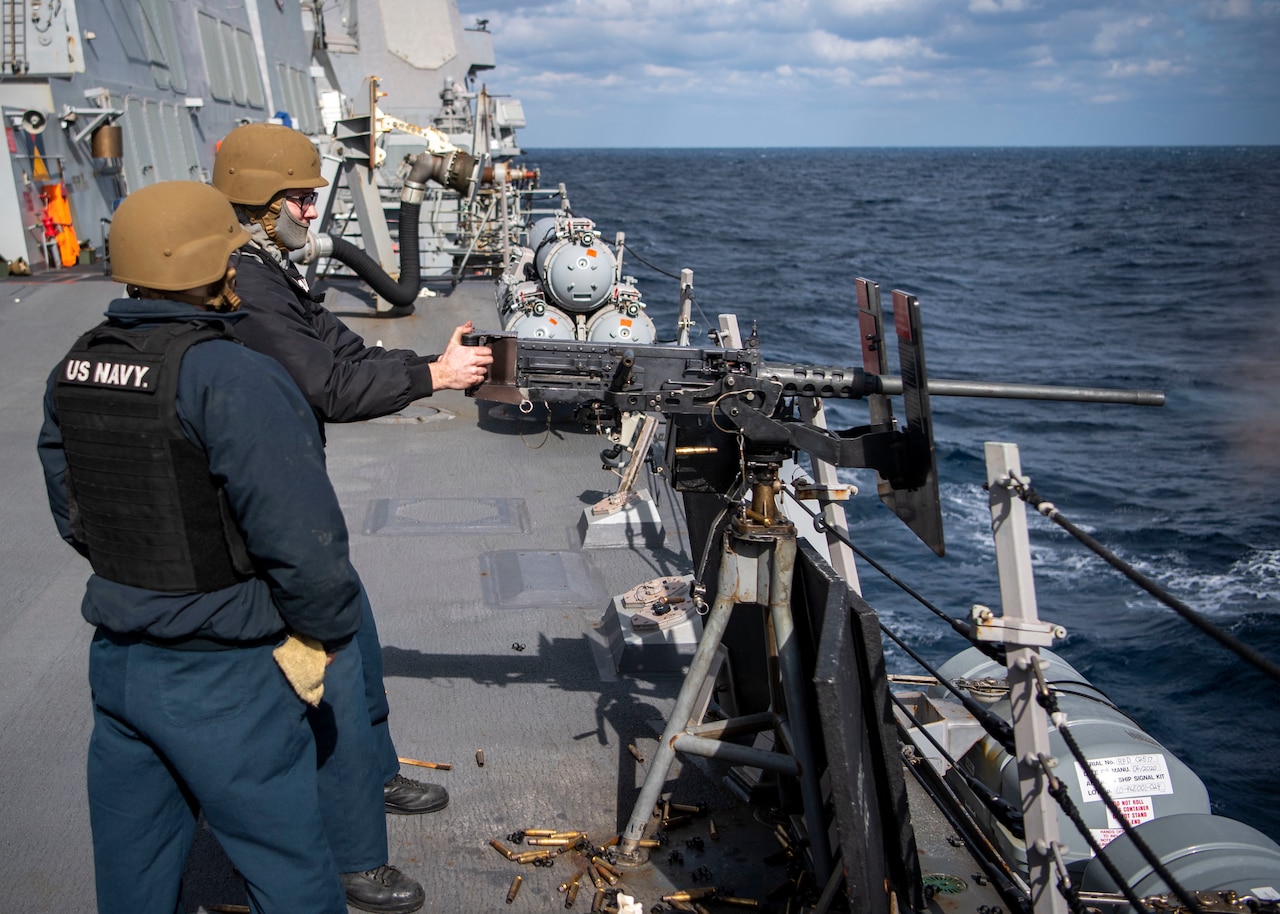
(375, 692)
(350, 776)
(177, 732)
(354, 750)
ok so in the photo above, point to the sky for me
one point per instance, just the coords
(697, 73)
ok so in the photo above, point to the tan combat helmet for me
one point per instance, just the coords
(257, 161)
(173, 236)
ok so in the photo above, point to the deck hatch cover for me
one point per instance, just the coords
(450, 516)
(532, 580)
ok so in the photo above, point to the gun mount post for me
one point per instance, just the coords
(686, 307)
(757, 563)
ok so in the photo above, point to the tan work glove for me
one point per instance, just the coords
(303, 660)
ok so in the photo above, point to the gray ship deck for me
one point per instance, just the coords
(478, 555)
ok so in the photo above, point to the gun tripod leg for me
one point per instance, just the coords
(712, 633)
(742, 553)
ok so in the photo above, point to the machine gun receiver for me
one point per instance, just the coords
(709, 390)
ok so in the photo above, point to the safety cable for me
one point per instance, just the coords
(997, 727)
(1009, 815)
(963, 629)
(1022, 488)
(632, 252)
(1069, 889)
(693, 299)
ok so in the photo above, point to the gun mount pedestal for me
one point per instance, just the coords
(628, 515)
(757, 561)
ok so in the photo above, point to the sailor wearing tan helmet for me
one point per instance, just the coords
(189, 471)
(270, 172)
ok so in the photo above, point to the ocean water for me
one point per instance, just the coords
(1150, 268)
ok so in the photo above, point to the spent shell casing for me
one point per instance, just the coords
(539, 832)
(515, 889)
(502, 849)
(711, 827)
(606, 870)
(596, 879)
(552, 842)
(739, 902)
(648, 842)
(597, 903)
(697, 810)
(676, 821)
(572, 894)
(635, 753)
(691, 894)
(479, 758)
(530, 856)
(700, 909)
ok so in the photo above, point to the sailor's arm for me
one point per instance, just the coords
(53, 458)
(265, 448)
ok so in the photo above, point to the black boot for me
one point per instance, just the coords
(384, 890)
(407, 797)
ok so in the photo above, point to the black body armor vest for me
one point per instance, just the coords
(141, 496)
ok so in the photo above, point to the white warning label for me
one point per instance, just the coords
(1135, 810)
(1127, 776)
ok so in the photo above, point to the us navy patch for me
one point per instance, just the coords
(111, 373)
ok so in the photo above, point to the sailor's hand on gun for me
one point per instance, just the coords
(459, 366)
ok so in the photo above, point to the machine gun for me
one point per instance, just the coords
(733, 417)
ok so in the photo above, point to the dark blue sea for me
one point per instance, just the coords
(1152, 268)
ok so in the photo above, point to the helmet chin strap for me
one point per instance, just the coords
(227, 300)
(267, 216)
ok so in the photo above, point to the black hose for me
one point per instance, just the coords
(404, 291)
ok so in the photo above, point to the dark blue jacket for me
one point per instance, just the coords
(343, 379)
(264, 447)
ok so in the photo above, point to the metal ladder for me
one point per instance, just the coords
(13, 21)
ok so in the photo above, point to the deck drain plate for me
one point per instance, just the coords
(943, 884)
(449, 516)
(533, 580)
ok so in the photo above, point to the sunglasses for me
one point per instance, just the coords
(303, 200)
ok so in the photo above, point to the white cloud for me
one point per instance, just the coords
(987, 7)
(827, 46)
(658, 72)
(1055, 84)
(866, 8)
(1145, 68)
(1041, 56)
(1112, 34)
(1228, 9)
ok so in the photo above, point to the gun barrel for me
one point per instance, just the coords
(946, 387)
